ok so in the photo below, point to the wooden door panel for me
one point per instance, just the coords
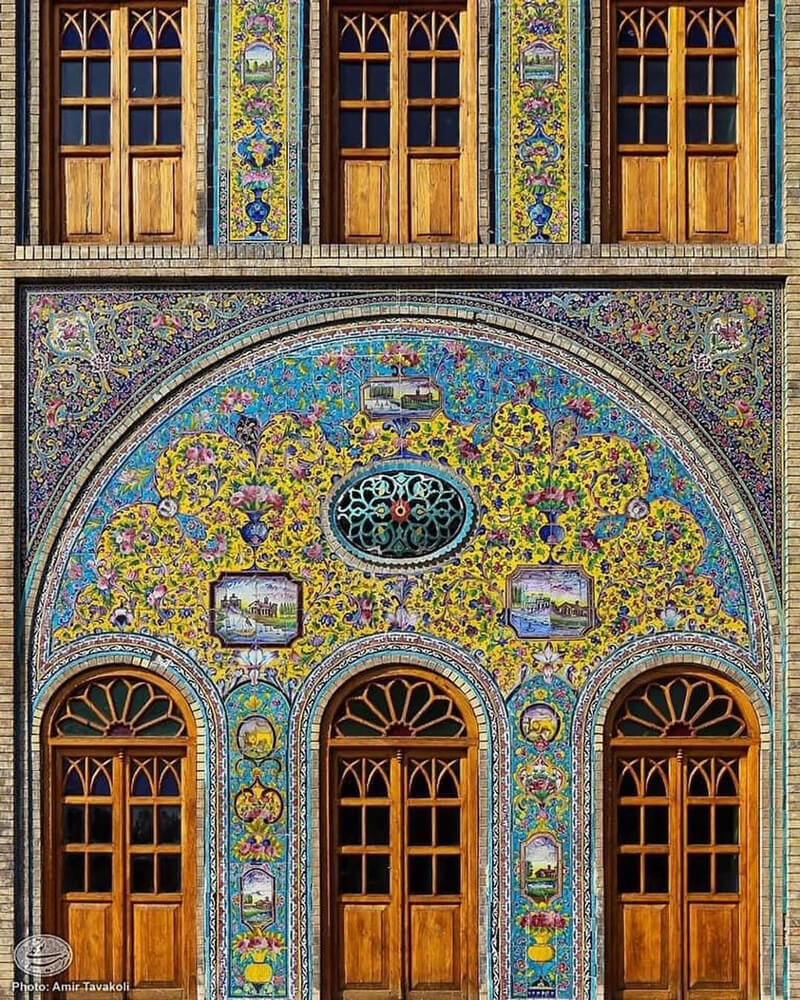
(714, 946)
(365, 945)
(433, 202)
(90, 932)
(435, 959)
(155, 198)
(156, 942)
(85, 196)
(645, 945)
(711, 201)
(644, 199)
(365, 201)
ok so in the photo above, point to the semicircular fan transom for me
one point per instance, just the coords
(399, 707)
(119, 707)
(683, 707)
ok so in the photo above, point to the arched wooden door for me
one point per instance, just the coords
(682, 842)
(399, 815)
(119, 834)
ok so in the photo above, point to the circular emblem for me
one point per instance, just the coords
(403, 514)
(539, 724)
(256, 737)
(43, 955)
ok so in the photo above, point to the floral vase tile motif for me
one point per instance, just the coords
(631, 518)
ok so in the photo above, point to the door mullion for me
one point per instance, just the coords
(681, 934)
(399, 951)
(121, 960)
(398, 203)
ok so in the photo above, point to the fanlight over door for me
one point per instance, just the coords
(682, 844)
(399, 815)
(119, 836)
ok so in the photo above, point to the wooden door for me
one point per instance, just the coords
(399, 831)
(682, 856)
(403, 125)
(119, 828)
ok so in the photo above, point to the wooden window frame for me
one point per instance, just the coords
(117, 195)
(748, 178)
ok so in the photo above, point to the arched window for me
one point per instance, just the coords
(399, 813)
(682, 852)
(119, 833)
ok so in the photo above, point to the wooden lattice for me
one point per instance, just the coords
(121, 707)
(399, 707)
(680, 707)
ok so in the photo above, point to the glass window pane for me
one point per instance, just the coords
(350, 82)
(100, 831)
(98, 38)
(349, 41)
(419, 126)
(141, 824)
(727, 873)
(350, 129)
(448, 826)
(418, 40)
(98, 78)
(723, 36)
(697, 35)
(141, 38)
(420, 875)
(142, 873)
(699, 824)
(628, 76)
(377, 874)
(378, 81)
(100, 873)
(98, 121)
(655, 124)
(377, 41)
(448, 77)
(349, 825)
(698, 872)
(726, 825)
(141, 127)
(724, 124)
(377, 824)
(169, 782)
(628, 873)
(655, 76)
(350, 873)
(168, 39)
(72, 78)
(71, 39)
(448, 874)
(420, 826)
(169, 126)
(71, 126)
(628, 124)
(447, 127)
(655, 38)
(656, 873)
(628, 825)
(724, 75)
(656, 824)
(169, 873)
(377, 129)
(419, 78)
(447, 39)
(73, 829)
(169, 78)
(697, 123)
(169, 824)
(697, 75)
(72, 873)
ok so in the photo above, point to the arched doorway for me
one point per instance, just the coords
(119, 833)
(399, 840)
(682, 840)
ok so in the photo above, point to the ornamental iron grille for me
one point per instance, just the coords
(399, 707)
(119, 707)
(682, 707)
(400, 516)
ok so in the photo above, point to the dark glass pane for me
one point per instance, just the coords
(142, 873)
(697, 36)
(74, 783)
(656, 824)
(447, 39)
(72, 78)
(72, 875)
(448, 826)
(377, 824)
(697, 124)
(448, 73)
(350, 825)
(169, 77)
(349, 787)
(71, 39)
(419, 126)
(100, 831)
(71, 126)
(377, 873)
(141, 38)
(698, 873)
(655, 124)
(98, 124)
(169, 873)
(628, 825)
(446, 135)
(655, 76)
(378, 81)
(169, 824)
(655, 784)
(420, 826)
(141, 784)
(627, 785)
(141, 824)
(98, 78)
(98, 39)
(349, 41)
(697, 75)
(100, 784)
(169, 782)
(627, 37)
(656, 873)
(168, 39)
(73, 825)
(726, 785)
(350, 129)
(350, 81)
(418, 40)
(99, 873)
(420, 874)
(377, 41)
(724, 124)
(655, 38)
(448, 874)
(699, 824)
(628, 873)
(628, 76)
(141, 127)
(377, 787)
(724, 75)
(727, 873)
(723, 36)
(698, 783)
(349, 873)
(377, 129)
(726, 825)
(447, 788)
(419, 78)
(169, 126)
(628, 124)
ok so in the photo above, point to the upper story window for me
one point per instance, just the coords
(402, 124)
(681, 123)
(120, 128)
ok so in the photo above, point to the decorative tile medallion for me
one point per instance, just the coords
(550, 602)
(256, 609)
